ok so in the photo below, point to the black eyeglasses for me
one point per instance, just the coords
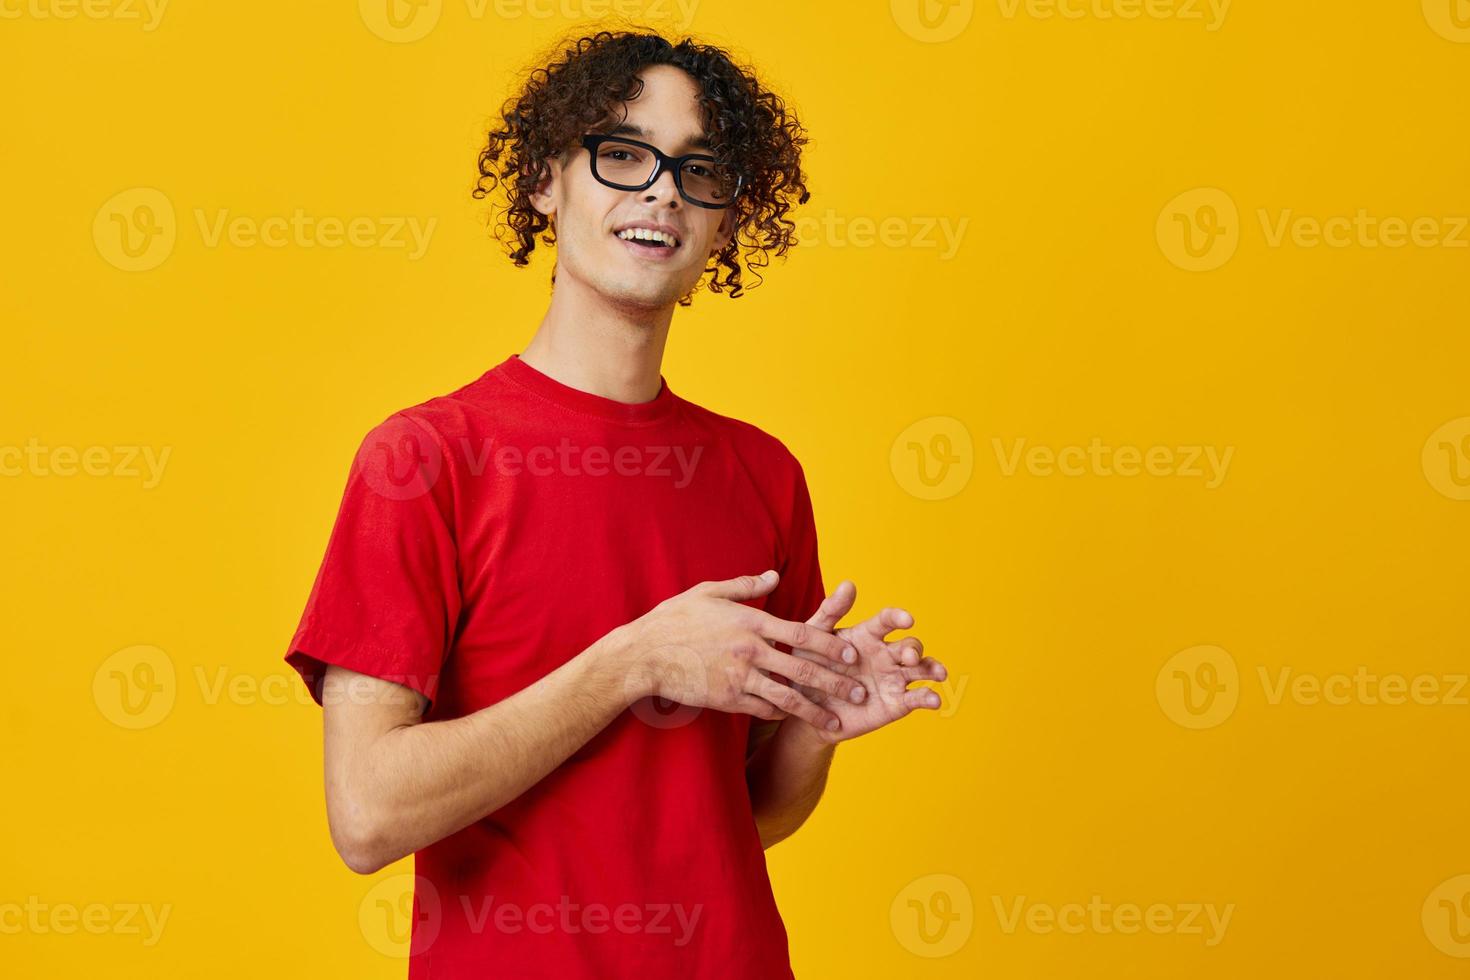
(631, 165)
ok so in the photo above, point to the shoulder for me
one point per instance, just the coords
(765, 456)
(420, 449)
(746, 437)
(445, 419)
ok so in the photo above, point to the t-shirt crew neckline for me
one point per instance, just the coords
(585, 402)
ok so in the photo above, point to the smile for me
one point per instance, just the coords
(649, 245)
(648, 237)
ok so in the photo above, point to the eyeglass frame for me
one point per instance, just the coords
(662, 162)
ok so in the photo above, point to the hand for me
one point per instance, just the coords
(705, 648)
(884, 669)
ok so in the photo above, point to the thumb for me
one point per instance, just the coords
(745, 586)
(835, 606)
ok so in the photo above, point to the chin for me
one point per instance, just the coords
(639, 296)
(653, 292)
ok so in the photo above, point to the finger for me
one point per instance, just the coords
(889, 618)
(907, 650)
(809, 673)
(758, 707)
(789, 701)
(927, 669)
(835, 606)
(922, 697)
(765, 671)
(812, 694)
(804, 636)
(846, 670)
(742, 587)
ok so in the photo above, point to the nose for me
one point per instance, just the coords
(662, 191)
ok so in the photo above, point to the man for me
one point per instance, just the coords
(569, 633)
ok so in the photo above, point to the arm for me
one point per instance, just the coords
(396, 784)
(786, 776)
(787, 771)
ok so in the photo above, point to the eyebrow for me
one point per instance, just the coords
(700, 142)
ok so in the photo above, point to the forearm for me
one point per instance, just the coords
(420, 783)
(786, 777)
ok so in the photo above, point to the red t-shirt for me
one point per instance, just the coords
(487, 536)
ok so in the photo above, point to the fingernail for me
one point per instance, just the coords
(857, 694)
(849, 655)
(832, 725)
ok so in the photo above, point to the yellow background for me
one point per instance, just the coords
(1057, 771)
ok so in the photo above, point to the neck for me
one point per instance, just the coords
(588, 344)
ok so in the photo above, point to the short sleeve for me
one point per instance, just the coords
(800, 592)
(386, 598)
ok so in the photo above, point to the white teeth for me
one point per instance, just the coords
(647, 235)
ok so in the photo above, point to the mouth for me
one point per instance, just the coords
(647, 243)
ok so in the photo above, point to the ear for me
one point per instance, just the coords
(544, 197)
(723, 232)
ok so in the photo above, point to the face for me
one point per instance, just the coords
(588, 215)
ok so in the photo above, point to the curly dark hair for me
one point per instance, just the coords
(749, 128)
